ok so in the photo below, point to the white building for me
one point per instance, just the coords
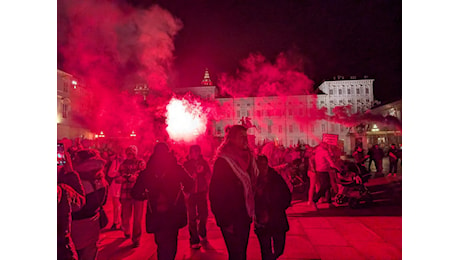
(289, 120)
(68, 89)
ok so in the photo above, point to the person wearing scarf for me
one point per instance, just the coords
(231, 190)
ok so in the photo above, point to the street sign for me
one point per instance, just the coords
(331, 139)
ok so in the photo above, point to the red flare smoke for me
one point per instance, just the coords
(186, 119)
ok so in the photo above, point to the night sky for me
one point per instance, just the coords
(348, 38)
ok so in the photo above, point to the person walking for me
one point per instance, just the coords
(231, 190)
(197, 202)
(131, 208)
(272, 198)
(393, 155)
(378, 157)
(161, 184)
(323, 164)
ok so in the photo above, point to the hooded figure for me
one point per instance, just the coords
(161, 184)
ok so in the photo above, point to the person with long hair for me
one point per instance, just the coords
(162, 183)
(231, 190)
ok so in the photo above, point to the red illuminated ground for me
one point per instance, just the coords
(339, 233)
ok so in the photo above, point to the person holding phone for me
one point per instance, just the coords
(70, 197)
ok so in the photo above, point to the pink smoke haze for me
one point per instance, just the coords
(114, 48)
(259, 77)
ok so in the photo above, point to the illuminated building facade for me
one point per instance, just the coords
(68, 90)
(286, 120)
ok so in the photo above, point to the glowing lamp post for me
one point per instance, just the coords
(133, 134)
(101, 135)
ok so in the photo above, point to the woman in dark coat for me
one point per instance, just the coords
(161, 184)
(272, 198)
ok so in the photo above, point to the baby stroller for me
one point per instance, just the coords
(351, 185)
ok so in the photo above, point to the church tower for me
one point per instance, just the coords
(206, 79)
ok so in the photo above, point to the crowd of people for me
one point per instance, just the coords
(243, 186)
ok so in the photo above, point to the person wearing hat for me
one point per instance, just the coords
(131, 208)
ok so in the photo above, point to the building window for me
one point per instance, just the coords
(349, 91)
(349, 101)
(269, 129)
(290, 129)
(340, 92)
(237, 105)
(280, 129)
(357, 91)
(248, 113)
(367, 91)
(64, 110)
(238, 114)
(66, 87)
(323, 127)
(331, 91)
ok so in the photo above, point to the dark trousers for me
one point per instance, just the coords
(393, 166)
(197, 208)
(271, 245)
(324, 185)
(166, 241)
(236, 239)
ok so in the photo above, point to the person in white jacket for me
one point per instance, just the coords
(323, 163)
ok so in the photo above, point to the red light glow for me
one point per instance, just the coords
(186, 120)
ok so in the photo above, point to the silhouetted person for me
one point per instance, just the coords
(197, 203)
(378, 158)
(272, 198)
(231, 191)
(393, 155)
(161, 184)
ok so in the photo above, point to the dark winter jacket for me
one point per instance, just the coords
(201, 178)
(95, 187)
(272, 198)
(166, 208)
(226, 196)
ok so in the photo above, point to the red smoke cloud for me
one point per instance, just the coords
(113, 48)
(259, 77)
